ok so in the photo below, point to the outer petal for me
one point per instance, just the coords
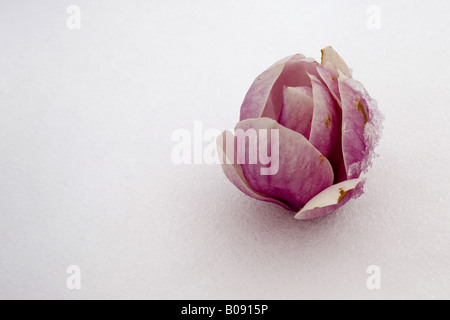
(297, 111)
(302, 172)
(329, 55)
(361, 126)
(324, 126)
(265, 96)
(233, 171)
(331, 199)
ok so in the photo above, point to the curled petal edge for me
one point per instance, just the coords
(233, 172)
(330, 55)
(265, 96)
(297, 172)
(330, 78)
(324, 120)
(331, 199)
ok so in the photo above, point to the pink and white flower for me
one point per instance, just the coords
(328, 128)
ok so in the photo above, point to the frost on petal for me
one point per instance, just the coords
(329, 55)
(331, 199)
(233, 171)
(302, 170)
(265, 96)
(361, 126)
(297, 111)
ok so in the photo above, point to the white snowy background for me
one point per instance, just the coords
(86, 176)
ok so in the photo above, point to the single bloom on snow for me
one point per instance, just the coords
(326, 126)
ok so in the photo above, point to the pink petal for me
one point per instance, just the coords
(233, 171)
(329, 55)
(297, 111)
(361, 126)
(303, 170)
(324, 126)
(331, 199)
(336, 156)
(329, 76)
(265, 96)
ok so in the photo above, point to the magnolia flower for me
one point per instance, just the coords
(326, 125)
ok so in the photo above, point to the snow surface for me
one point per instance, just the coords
(86, 176)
